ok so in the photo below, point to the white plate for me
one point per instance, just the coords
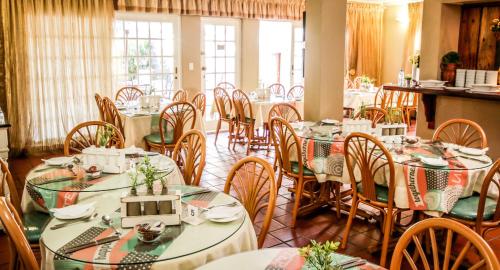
(329, 121)
(84, 214)
(58, 161)
(484, 87)
(471, 151)
(228, 219)
(435, 162)
(450, 88)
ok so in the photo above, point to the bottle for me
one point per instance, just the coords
(401, 77)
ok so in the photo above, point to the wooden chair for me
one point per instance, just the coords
(285, 111)
(128, 93)
(180, 96)
(226, 86)
(432, 228)
(245, 121)
(409, 105)
(19, 246)
(286, 142)
(462, 132)
(277, 89)
(295, 92)
(33, 222)
(368, 157)
(251, 181)
(174, 119)
(479, 211)
(385, 99)
(190, 154)
(89, 133)
(374, 114)
(200, 102)
(100, 106)
(112, 115)
(224, 107)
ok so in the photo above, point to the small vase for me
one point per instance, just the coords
(385, 131)
(415, 73)
(133, 208)
(150, 207)
(392, 131)
(400, 131)
(165, 206)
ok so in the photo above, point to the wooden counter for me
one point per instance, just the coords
(429, 98)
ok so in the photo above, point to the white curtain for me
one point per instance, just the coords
(68, 59)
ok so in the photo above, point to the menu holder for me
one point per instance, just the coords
(168, 219)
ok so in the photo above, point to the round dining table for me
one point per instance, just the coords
(277, 258)
(418, 186)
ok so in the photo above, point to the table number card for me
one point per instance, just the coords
(193, 216)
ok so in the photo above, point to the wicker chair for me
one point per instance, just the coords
(180, 96)
(128, 93)
(374, 114)
(112, 115)
(277, 89)
(296, 92)
(462, 132)
(200, 102)
(226, 86)
(100, 106)
(224, 107)
(90, 133)
(189, 154)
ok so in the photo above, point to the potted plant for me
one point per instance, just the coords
(318, 256)
(105, 135)
(449, 64)
(164, 207)
(133, 208)
(149, 171)
(415, 66)
(408, 80)
(495, 28)
(362, 111)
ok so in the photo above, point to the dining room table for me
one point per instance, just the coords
(282, 258)
(139, 122)
(433, 188)
(354, 98)
(183, 246)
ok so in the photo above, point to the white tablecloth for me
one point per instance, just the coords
(353, 98)
(137, 127)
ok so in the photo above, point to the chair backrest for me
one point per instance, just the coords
(492, 178)
(7, 181)
(385, 98)
(286, 111)
(462, 132)
(128, 93)
(251, 181)
(190, 154)
(18, 243)
(223, 102)
(180, 95)
(100, 106)
(200, 102)
(295, 92)
(450, 230)
(226, 86)
(91, 133)
(112, 115)
(367, 157)
(408, 99)
(277, 89)
(285, 142)
(175, 118)
(374, 114)
(242, 106)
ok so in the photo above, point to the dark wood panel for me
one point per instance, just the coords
(470, 25)
(487, 41)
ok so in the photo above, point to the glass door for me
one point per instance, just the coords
(220, 58)
(298, 49)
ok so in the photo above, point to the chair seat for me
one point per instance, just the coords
(295, 169)
(155, 138)
(34, 223)
(381, 192)
(466, 208)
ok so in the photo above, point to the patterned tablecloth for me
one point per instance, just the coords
(418, 187)
(136, 127)
(274, 258)
(180, 247)
(48, 187)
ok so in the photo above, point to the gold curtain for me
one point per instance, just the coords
(413, 34)
(364, 39)
(57, 55)
(257, 9)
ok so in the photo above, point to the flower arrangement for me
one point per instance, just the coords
(415, 60)
(105, 135)
(366, 80)
(318, 257)
(149, 172)
(495, 25)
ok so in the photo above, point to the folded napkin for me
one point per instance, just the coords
(75, 210)
(223, 212)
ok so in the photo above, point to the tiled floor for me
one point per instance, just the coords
(320, 226)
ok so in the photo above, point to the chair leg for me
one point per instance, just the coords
(387, 235)
(336, 186)
(352, 215)
(231, 131)
(217, 130)
(280, 179)
(298, 196)
(250, 138)
(236, 136)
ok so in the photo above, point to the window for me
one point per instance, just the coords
(275, 50)
(220, 55)
(144, 54)
(298, 56)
